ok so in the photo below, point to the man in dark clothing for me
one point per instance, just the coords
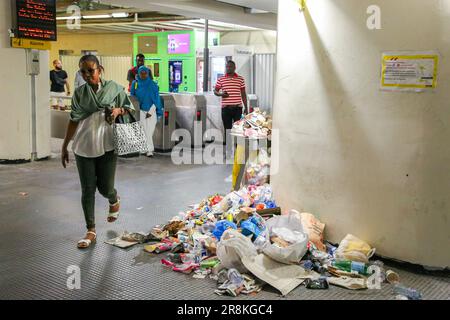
(58, 78)
(132, 73)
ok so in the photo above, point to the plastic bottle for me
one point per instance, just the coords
(208, 228)
(197, 251)
(318, 267)
(235, 277)
(380, 265)
(351, 266)
(260, 242)
(411, 293)
(307, 264)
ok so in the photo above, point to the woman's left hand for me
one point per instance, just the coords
(116, 112)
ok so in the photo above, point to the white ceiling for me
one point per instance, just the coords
(266, 5)
(149, 26)
(208, 9)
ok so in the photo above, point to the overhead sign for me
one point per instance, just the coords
(35, 19)
(410, 71)
(30, 44)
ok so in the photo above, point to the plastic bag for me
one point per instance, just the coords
(293, 253)
(232, 247)
(221, 227)
(354, 249)
(313, 227)
(254, 226)
(258, 169)
(261, 194)
(233, 201)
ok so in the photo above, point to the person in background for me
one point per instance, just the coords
(79, 81)
(231, 88)
(92, 105)
(58, 78)
(147, 93)
(132, 73)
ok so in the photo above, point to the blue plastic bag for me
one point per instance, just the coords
(221, 227)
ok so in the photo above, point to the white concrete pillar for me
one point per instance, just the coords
(371, 163)
(15, 95)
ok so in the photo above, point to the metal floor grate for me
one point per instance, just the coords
(38, 235)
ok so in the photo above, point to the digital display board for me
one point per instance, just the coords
(179, 43)
(35, 19)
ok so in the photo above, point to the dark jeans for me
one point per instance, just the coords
(230, 114)
(96, 173)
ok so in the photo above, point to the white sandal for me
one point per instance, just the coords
(114, 215)
(87, 242)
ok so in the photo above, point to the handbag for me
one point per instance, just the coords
(129, 135)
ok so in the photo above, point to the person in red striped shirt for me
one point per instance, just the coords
(231, 88)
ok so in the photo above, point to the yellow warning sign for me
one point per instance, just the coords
(30, 44)
(409, 71)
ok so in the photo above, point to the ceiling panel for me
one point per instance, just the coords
(266, 5)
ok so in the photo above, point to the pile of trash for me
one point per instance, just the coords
(254, 125)
(242, 241)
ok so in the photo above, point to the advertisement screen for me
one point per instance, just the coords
(179, 43)
(176, 72)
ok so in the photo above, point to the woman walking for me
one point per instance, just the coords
(94, 105)
(147, 93)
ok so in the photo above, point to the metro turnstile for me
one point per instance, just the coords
(162, 138)
(191, 116)
(59, 119)
(164, 127)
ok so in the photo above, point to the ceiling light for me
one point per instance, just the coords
(120, 15)
(97, 16)
(254, 11)
(63, 18)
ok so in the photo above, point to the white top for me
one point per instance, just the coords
(94, 136)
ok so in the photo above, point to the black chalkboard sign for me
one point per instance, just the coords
(35, 19)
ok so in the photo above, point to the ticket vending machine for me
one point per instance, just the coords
(155, 66)
(176, 76)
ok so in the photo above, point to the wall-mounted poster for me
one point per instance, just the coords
(179, 43)
(148, 44)
(409, 71)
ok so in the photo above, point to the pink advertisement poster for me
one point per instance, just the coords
(179, 43)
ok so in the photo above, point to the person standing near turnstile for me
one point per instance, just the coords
(147, 93)
(132, 73)
(231, 88)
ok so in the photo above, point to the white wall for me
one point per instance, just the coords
(262, 41)
(371, 163)
(15, 90)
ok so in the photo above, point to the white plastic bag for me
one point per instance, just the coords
(294, 252)
(232, 247)
(257, 170)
